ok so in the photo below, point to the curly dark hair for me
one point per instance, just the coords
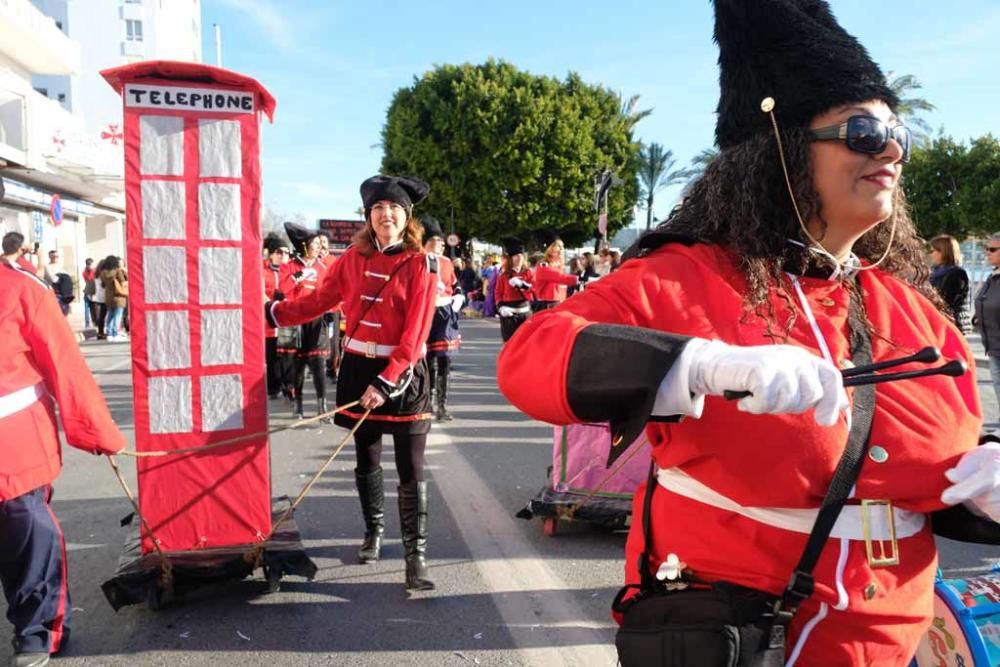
(741, 202)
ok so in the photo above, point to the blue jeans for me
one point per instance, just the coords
(114, 321)
(87, 305)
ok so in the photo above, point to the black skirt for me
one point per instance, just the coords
(314, 339)
(408, 414)
(444, 339)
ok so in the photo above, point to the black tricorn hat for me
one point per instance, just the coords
(273, 241)
(512, 246)
(300, 236)
(403, 190)
(793, 51)
(431, 228)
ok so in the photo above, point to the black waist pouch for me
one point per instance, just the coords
(722, 625)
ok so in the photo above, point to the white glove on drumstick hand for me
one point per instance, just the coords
(976, 481)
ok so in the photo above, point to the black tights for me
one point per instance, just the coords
(437, 365)
(409, 451)
(317, 366)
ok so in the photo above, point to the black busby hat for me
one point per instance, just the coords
(300, 236)
(793, 51)
(403, 190)
(512, 246)
(273, 241)
(431, 228)
(546, 237)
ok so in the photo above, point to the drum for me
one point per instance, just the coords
(965, 631)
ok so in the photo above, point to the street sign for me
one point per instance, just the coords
(341, 231)
(55, 209)
(452, 240)
(38, 229)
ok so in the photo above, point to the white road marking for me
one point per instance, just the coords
(507, 562)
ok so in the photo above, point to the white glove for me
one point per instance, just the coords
(782, 379)
(506, 311)
(517, 282)
(457, 302)
(976, 481)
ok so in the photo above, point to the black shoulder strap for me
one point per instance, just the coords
(801, 584)
(647, 505)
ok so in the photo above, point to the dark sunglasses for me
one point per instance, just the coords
(867, 134)
(988, 249)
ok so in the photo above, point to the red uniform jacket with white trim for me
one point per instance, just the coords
(447, 283)
(272, 278)
(550, 284)
(39, 348)
(505, 293)
(601, 356)
(299, 278)
(387, 298)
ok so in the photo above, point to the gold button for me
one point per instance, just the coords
(878, 454)
(828, 302)
(870, 590)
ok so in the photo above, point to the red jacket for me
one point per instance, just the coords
(447, 282)
(387, 298)
(39, 349)
(506, 294)
(298, 279)
(550, 284)
(272, 276)
(767, 461)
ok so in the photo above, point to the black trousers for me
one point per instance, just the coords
(438, 367)
(271, 362)
(33, 572)
(317, 367)
(408, 449)
(102, 314)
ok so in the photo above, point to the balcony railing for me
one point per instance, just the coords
(31, 39)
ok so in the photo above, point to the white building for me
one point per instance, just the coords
(60, 122)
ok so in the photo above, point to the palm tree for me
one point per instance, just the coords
(629, 111)
(656, 171)
(699, 162)
(904, 86)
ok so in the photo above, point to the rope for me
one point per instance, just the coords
(166, 575)
(570, 511)
(242, 438)
(254, 556)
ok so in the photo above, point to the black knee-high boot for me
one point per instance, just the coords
(413, 522)
(372, 495)
(432, 376)
(442, 390)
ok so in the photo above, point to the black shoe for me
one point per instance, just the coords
(413, 522)
(372, 495)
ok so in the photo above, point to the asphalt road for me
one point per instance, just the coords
(506, 595)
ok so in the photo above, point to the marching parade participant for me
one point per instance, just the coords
(513, 289)
(387, 286)
(276, 251)
(42, 368)
(300, 278)
(444, 339)
(551, 280)
(792, 258)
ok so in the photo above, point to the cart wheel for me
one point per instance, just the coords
(549, 526)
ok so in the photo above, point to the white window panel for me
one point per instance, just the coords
(219, 211)
(163, 210)
(164, 273)
(161, 145)
(170, 405)
(219, 149)
(168, 339)
(221, 337)
(221, 402)
(220, 276)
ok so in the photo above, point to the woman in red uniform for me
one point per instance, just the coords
(513, 289)
(751, 289)
(387, 286)
(276, 250)
(444, 339)
(551, 280)
(299, 278)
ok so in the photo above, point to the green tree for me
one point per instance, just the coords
(508, 153)
(656, 171)
(699, 162)
(953, 188)
(905, 86)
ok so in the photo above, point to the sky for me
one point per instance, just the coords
(334, 65)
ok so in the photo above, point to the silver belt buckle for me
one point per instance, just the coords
(370, 350)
